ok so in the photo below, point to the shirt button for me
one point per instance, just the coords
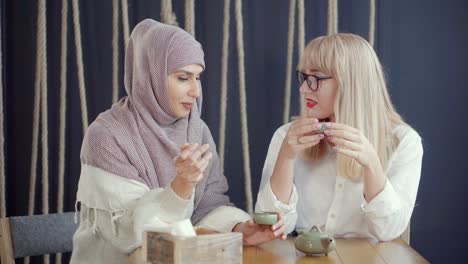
(340, 186)
(332, 216)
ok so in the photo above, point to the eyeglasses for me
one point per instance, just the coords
(312, 80)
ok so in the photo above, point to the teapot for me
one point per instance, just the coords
(315, 242)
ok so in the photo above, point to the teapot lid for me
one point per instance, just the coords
(315, 232)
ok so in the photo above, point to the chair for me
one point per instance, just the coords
(35, 235)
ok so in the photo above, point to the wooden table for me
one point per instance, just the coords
(359, 251)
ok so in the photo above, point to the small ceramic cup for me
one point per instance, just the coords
(265, 218)
(322, 129)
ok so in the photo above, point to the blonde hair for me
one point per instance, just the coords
(362, 100)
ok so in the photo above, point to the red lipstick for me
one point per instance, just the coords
(311, 103)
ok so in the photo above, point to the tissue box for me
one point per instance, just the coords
(207, 247)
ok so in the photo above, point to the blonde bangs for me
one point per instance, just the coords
(319, 56)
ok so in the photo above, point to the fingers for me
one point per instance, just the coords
(293, 141)
(305, 121)
(304, 125)
(279, 227)
(304, 129)
(202, 164)
(310, 139)
(196, 154)
(187, 150)
(347, 152)
(305, 142)
(192, 161)
(345, 144)
(340, 126)
(280, 231)
(191, 152)
(343, 134)
(185, 146)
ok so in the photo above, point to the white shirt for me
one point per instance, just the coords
(116, 210)
(336, 204)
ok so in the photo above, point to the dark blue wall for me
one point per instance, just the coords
(422, 45)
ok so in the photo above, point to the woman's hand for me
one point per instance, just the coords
(190, 165)
(351, 142)
(300, 136)
(254, 234)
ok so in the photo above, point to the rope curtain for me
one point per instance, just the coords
(300, 43)
(79, 62)
(167, 16)
(190, 17)
(332, 17)
(63, 107)
(243, 104)
(40, 100)
(289, 58)
(224, 80)
(372, 22)
(115, 50)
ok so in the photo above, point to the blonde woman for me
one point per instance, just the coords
(359, 177)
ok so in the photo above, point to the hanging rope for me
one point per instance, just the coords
(335, 16)
(190, 17)
(2, 138)
(332, 17)
(39, 83)
(35, 134)
(42, 63)
(287, 86)
(243, 105)
(300, 43)
(167, 16)
(126, 25)
(224, 79)
(115, 50)
(79, 62)
(63, 108)
(44, 118)
(63, 105)
(371, 22)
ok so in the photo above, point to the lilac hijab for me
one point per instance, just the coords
(139, 136)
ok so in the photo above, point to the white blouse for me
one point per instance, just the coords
(115, 211)
(336, 204)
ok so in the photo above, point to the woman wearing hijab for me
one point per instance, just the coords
(150, 159)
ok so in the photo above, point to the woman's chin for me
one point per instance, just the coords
(320, 116)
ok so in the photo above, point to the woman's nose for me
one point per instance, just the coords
(304, 89)
(195, 91)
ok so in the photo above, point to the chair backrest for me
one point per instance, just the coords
(35, 235)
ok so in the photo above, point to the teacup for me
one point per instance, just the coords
(265, 218)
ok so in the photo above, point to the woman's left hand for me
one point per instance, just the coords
(351, 142)
(254, 234)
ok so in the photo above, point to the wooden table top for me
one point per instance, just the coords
(359, 251)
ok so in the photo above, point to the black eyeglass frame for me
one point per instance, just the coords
(306, 76)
